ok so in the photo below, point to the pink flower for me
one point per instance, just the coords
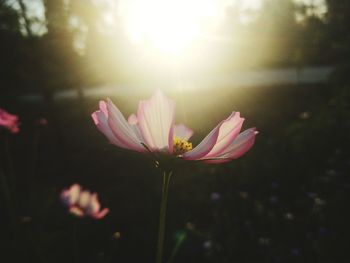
(42, 122)
(154, 129)
(9, 121)
(82, 203)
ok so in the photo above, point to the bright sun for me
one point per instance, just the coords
(169, 25)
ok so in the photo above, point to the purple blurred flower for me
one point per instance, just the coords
(42, 122)
(215, 196)
(82, 203)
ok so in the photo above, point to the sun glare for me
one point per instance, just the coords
(167, 25)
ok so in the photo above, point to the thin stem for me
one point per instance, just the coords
(76, 240)
(35, 244)
(162, 216)
(35, 151)
(111, 250)
(8, 181)
(5, 189)
(178, 244)
(10, 170)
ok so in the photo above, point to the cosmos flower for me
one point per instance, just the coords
(9, 121)
(153, 129)
(82, 203)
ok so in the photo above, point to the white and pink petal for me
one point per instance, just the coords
(204, 147)
(228, 131)
(77, 211)
(71, 195)
(84, 199)
(132, 120)
(122, 130)
(237, 148)
(221, 135)
(101, 213)
(94, 205)
(101, 121)
(242, 144)
(156, 122)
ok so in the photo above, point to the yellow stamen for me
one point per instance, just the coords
(181, 146)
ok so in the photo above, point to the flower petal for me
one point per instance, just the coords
(204, 146)
(77, 211)
(74, 192)
(238, 147)
(182, 132)
(94, 208)
(228, 131)
(84, 199)
(208, 143)
(9, 121)
(70, 196)
(156, 121)
(101, 214)
(132, 120)
(101, 121)
(122, 129)
(94, 205)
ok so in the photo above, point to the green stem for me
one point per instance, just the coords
(178, 244)
(162, 216)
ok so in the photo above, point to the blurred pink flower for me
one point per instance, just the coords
(42, 122)
(82, 203)
(9, 121)
(154, 129)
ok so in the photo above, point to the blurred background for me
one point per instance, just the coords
(284, 64)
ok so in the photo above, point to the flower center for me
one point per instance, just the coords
(181, 146)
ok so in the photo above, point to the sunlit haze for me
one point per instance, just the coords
(187, 43)
(169, 26)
